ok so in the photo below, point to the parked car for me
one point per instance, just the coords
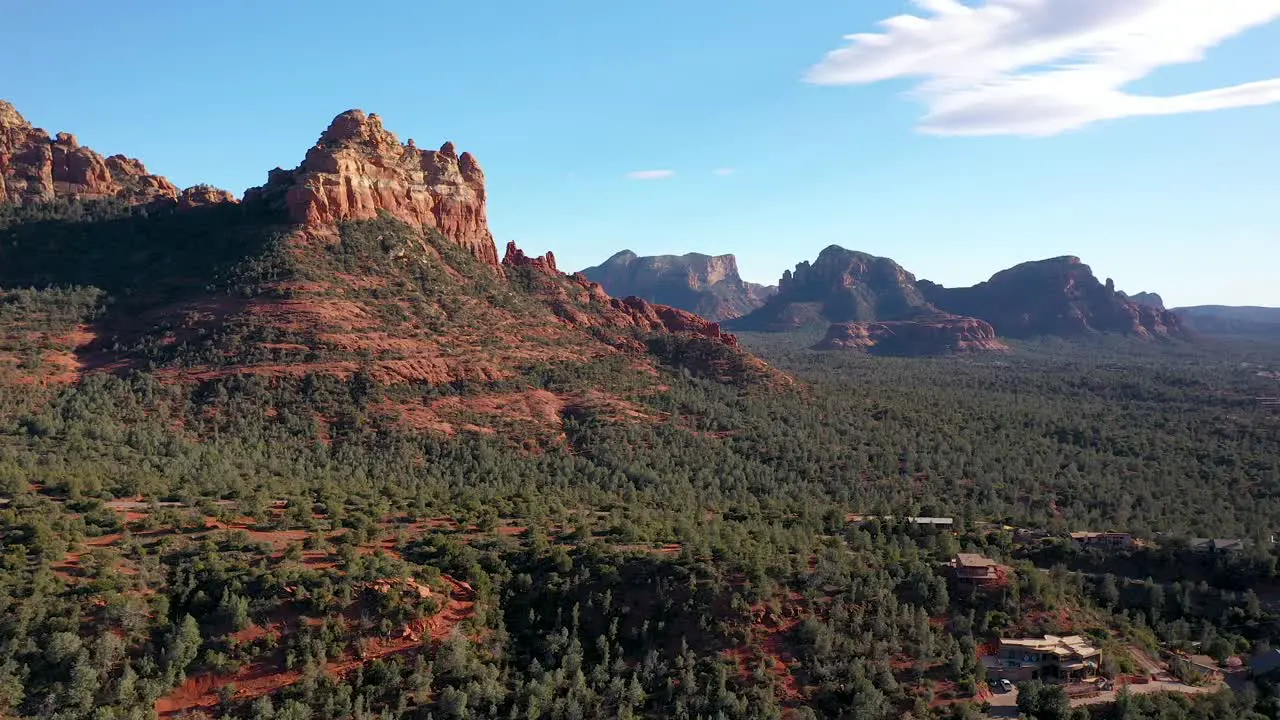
(1005, 685)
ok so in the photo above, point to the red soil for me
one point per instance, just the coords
(201, 691)
(769, 643)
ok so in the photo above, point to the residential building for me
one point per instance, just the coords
(943, 522)
(1050, 658)
(1198, 665)
(1113, 540)
(974, 569)
(1216, 545)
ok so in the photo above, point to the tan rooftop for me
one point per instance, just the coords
(1072, 645)
(974, 560)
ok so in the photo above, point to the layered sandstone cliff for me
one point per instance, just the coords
(358, 168)
(708, 285)
(582, 303)
(36, 168)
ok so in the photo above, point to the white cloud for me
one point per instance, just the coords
(723, 171)
(650, 174)
(1042, 67)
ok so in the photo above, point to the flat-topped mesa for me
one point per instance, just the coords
(937, 335)
(358, 168)
(708, 285)
(36, 168)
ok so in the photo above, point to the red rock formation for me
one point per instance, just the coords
(704, 284)
(358, 168)
(655, 318)
(515, 257)
(37, 168)
(1059, 296)
(575, 294)
(938, 335)
(201, 195)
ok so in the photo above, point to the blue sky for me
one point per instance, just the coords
(960, 142)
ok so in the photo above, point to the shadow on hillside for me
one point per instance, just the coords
(142, 259)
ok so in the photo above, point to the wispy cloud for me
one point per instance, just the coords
(723, 171)
(650, 174)
(1042, 67)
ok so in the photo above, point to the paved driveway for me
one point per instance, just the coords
(1004, 704)
(1154, 686)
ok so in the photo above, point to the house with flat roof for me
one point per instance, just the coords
(1050, 658)
(1198, 665)
(944, 522)
(978, 570)
(1216, 545)
(1113, 540)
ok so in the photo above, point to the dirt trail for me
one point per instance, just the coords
(262, 678)
(1150, 666)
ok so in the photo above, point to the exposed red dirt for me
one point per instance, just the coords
(257, 679)
(539, 410)
(769, 644)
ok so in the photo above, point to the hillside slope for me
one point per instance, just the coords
(372, 259)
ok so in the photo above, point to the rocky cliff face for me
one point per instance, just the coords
(840, 286)
(704, 284)
(35, 168)
(355, 253)
(938, 335)
(1059, 296)
(358, 168)
(583, 303)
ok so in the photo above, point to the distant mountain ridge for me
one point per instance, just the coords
(869, 303)
(839, 286)
(873, 303)
(708, 285)
(1058, 296)
(1235, 321)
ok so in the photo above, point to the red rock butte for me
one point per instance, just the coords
(927, 336)
(359, 168)
(35, 168)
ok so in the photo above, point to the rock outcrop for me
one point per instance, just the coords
(939, 335)
(202, 195)
(358, 169)
(1149, 299)
(1059, 296)
(657, 318)
(704, 284)
(840, 286)
(515, 257)
(582, 303)
(36, 168)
